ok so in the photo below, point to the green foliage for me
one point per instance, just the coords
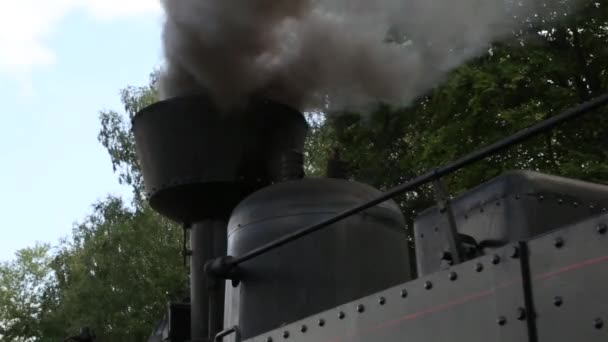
(535, 75)
(24, 298)
(115, 273)
(116, 136)
(118, 272)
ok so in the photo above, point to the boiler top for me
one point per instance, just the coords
(348, 260)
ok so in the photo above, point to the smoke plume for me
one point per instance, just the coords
(307, 53)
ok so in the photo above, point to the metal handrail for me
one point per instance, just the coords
(223, 266)
(233, 330)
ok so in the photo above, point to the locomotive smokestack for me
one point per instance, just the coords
(198, 163)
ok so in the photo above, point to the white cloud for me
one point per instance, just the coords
(25, 26)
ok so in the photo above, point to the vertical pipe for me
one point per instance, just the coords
(208, 241)
(217, 288)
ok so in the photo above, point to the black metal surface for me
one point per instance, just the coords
(179, 322)
(208, 241)
(199, 163)
(473, 157)
(514, 206)
(356, 257)
(174, 326)
(463, 303)
(570, 282)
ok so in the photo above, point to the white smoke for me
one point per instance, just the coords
(303, 52)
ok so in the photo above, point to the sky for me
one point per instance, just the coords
(61, 62)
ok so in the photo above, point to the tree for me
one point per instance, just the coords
(118, 272)
(23, 293)
(123, 263)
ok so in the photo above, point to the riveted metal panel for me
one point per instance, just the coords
(515, 206)
(465, 303)
(570, 282)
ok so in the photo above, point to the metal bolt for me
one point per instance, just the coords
(591, 206)
(495, 259)
(521, 314)
(360, 308)
(403, 293)
(558, 242)
(501, 320)
(601, 228)
(428, 285)
(479, 267)
(560, 201)
(382, 301)
(558, 301)
(341, 315)
(575, 204)
(541, 197)
(453, 276)
(303, 328)
(285, 334)
(321, 322)
(598, 323)
(514, 252)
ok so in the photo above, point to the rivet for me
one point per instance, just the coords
(341, 315)
(382, 301)
(514, 252)
(360, 308)
(285, 334)
(601, 228)
(479, 267)
(453, 276)
(558, 301)
(321, 322)
(495, 259)
(541, 198)
(403, 293)
(575, 204)
(428, 285)
(303, 328)
(598, 323)
(521, 314)
(560, 201)
(501, 320)
(591, 206)
(558, 242)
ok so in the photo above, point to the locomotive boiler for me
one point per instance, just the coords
(279, 256)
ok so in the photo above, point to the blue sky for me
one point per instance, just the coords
(61, 62)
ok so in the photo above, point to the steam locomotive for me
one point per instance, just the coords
(278, 256)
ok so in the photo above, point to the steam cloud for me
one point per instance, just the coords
(303, 52)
